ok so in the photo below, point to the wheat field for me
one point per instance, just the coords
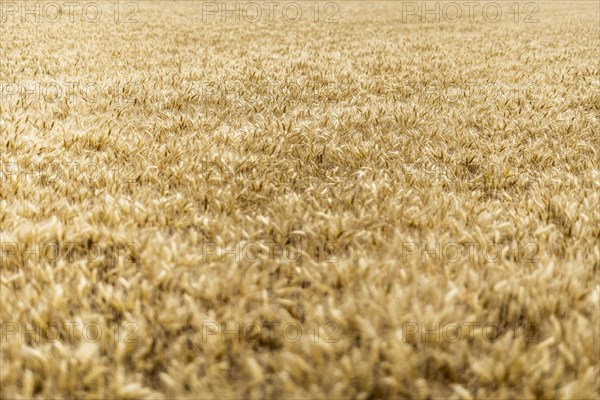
(318, 200)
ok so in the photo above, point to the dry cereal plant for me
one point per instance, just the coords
(304, 199)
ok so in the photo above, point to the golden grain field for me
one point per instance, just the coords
(300, 199)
